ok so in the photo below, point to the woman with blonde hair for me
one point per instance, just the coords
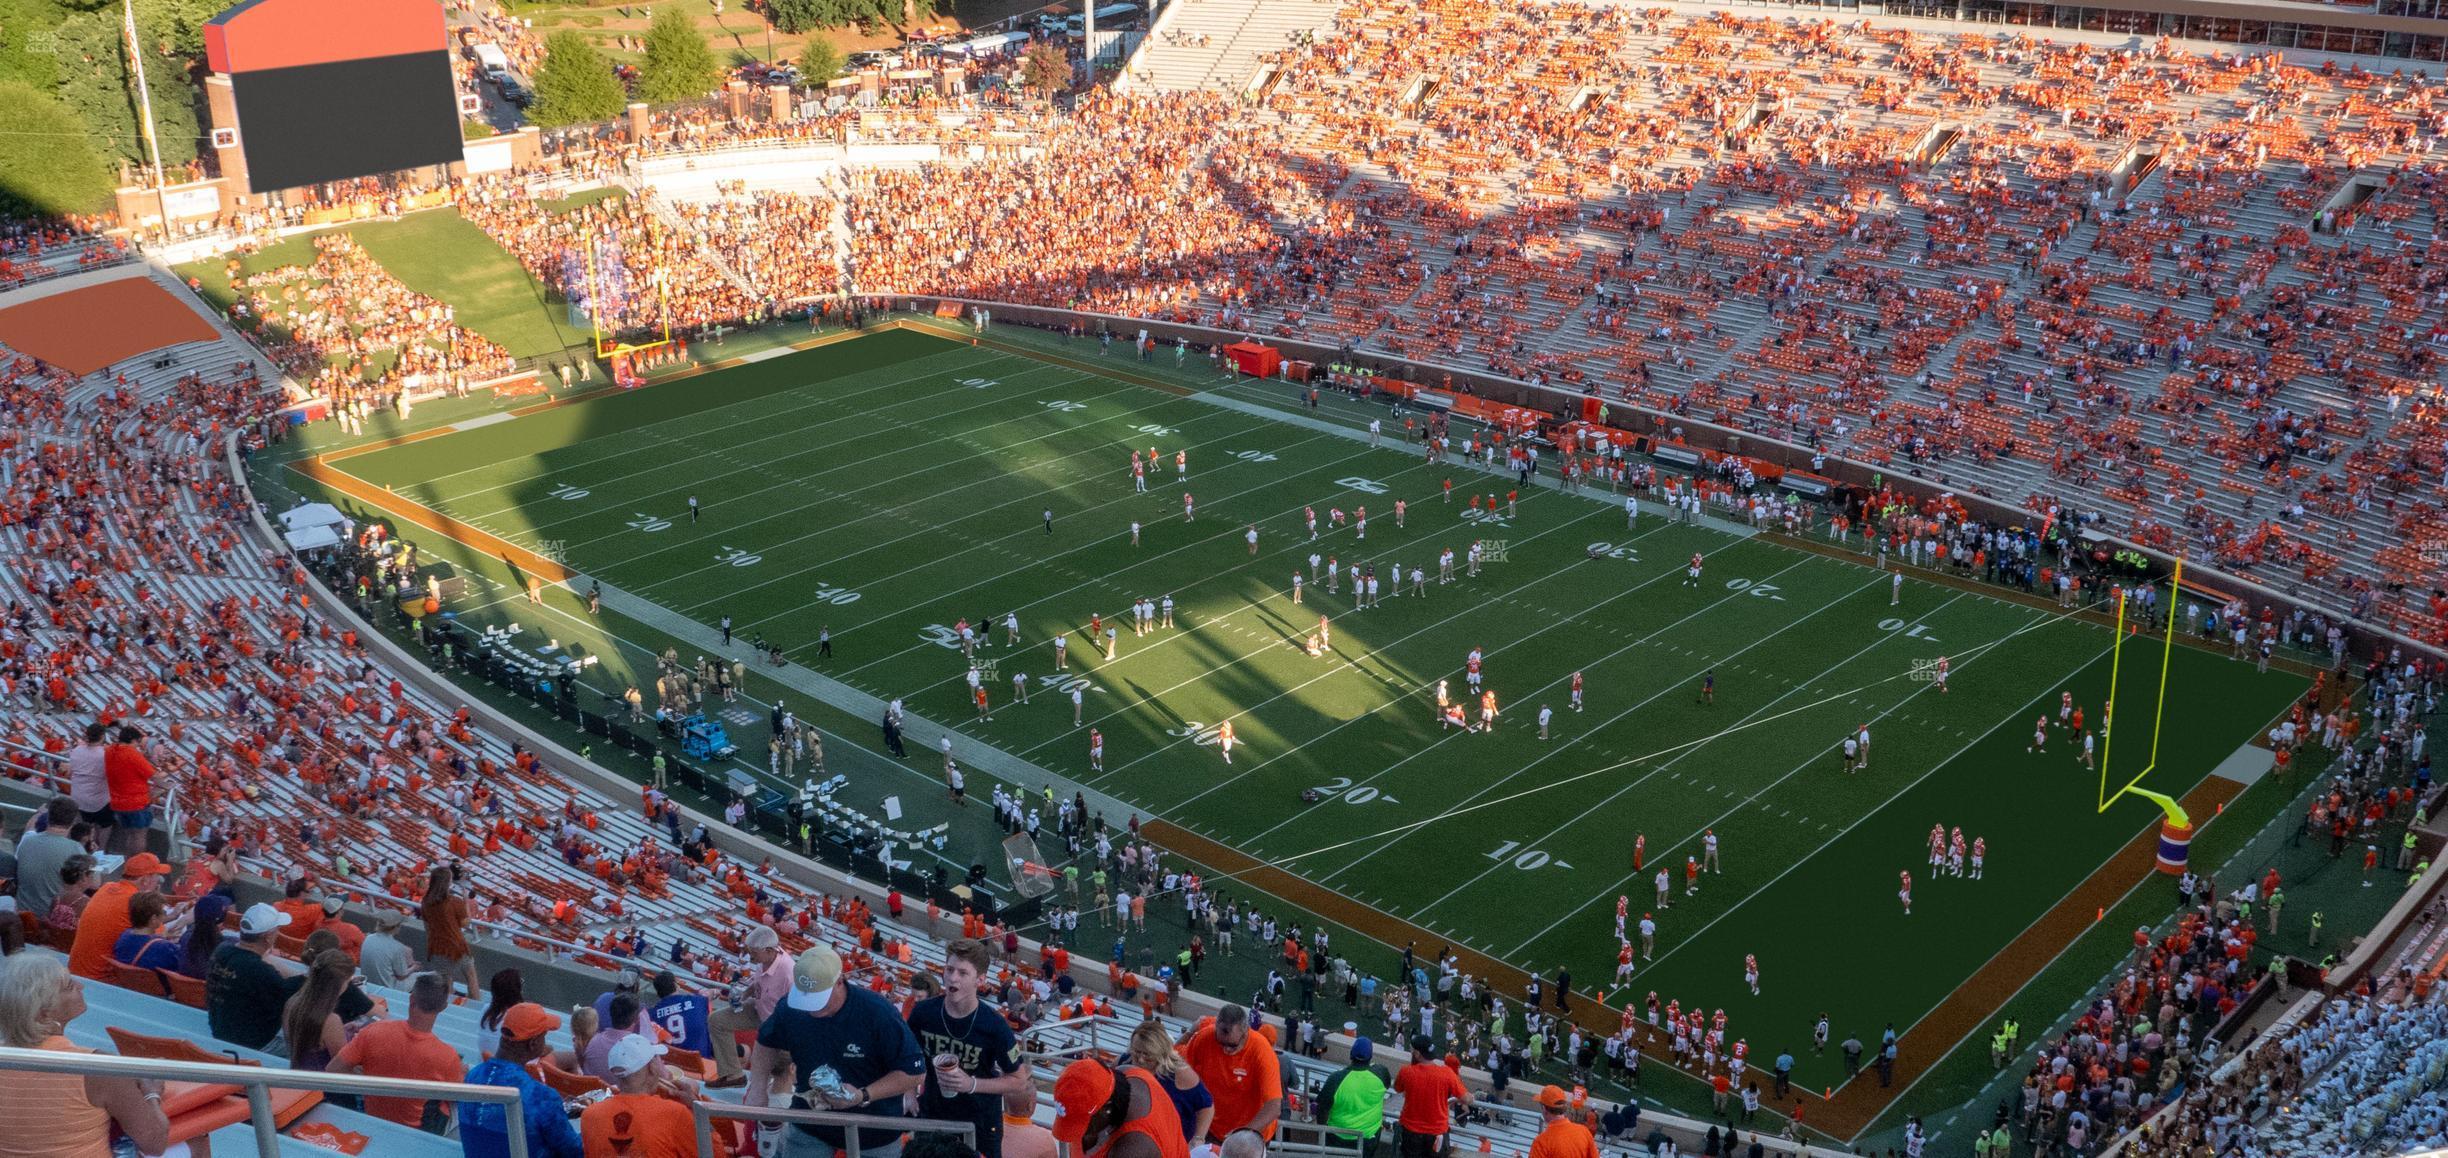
(584, 1023)
(1151, 1049)
(64, 1115)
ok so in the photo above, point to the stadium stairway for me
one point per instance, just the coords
(1218, 43)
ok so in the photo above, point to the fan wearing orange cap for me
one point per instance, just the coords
(1103, 1112)
(1562, 1137)
(106, 916)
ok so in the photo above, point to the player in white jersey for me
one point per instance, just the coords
(1096, 750)
(1296, 588)
(1751, 972)
(1224, 737)
(1445, 567)
(1631, 512)
(2039, 735)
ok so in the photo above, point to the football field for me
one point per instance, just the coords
(891, 487)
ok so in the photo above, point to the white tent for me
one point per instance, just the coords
(312, 515)
(309, 538)
(312, 525)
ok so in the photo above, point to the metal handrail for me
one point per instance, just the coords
(56, 779)
(259, 1082)
(705, 1112)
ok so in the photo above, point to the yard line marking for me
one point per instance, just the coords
(1666, 687)
(999, 543)
(729, 454)
(1283, 864)
(1665, 850)
(1874, 810)
(760, 417)
(1444, 735)
(1230, 531)
(1252, 770)
(1271, 599)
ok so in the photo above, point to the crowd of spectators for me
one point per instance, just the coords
(2140, 1051)
(353, 333)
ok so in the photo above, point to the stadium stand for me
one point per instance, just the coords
(2191, 309)
(2198, 296)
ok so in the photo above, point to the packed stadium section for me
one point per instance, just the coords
(1551, 579)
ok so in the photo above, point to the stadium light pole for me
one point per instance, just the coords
(144, 106)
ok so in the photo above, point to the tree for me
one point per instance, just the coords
(575, 84)
(1044, 69)
(48, 165)
(819, 62)
(95, 84)
(793, 17)
(678, 64)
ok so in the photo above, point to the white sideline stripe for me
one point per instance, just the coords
(1679, 685)
(487, 420)
(1874, 810)
(718, 410)
(1271, 599)
(874, 618)
(920, 732)
(1443, 735)
(677, 432)
(1251, 710)
(765, 355)
(1546, 478)
(825, 689)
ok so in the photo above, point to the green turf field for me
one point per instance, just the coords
(439, 254)
(889, 487)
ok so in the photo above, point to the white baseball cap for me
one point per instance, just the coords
(633, 1053)
(261, 919)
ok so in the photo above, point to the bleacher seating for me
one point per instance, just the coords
(2200, 294)
(276, 725)
(112, 1013)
